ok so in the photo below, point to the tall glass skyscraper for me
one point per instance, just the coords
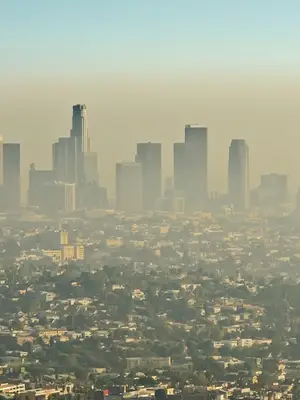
(149, 156)
(179, 168)
(196, 165)
(79, 131)
(129, 187)
(80, 127)
(64, 159)
(11, 175)
(238, 174)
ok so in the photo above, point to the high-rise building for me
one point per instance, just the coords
(1, 160)
(298, 203)
(238, 174)
(91, 167)
(149, 156)
(169, 187)
(179, 167)
(11, 175)
(58, 197)
(37, 180)
(273, 189)
(64, 237)
(196, 165)
(129, 187)
(64, 159)
(80, 127)
(79, 131)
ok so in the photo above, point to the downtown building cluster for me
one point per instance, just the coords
(138, 184)
(73, 181)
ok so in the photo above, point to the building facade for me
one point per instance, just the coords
(11, 175)
(64, 159)
(179, 168)
(238, 175)
(79, 131)
(149, 156)
(37, 180)
(196, 166)
(129, 187)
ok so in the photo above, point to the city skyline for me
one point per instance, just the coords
(74, 178)
(64, 168)
(263, 128)
(221, 73)
(149, 199)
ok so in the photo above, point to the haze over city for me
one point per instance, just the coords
(149, 200)
(145, 69)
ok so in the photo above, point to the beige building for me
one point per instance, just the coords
(79, 252)
(68, 252)
(64, 238)
(54, 254)
(11, 389)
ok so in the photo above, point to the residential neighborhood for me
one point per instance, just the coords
(205, 307)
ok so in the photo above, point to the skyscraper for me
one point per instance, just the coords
(238, 174)
(149, 156)
(37, 180)
(79, 131)
(179, 168)
(11, 175)
(272, 192)
(80, 127)
(91, 167)
(1, 160)
(129, 187)
(58, 197)
(64, 159)
(196, 165)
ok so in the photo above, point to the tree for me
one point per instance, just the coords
(146, 381)
(29, 303)
(201, 379)
(216, 333)
(81, 373)
(296, 390)
(265, 380)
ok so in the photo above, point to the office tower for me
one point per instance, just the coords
(64, 237)
(297, 210)
(91, 168)
(11, 175)
(169, 187)
(80, 127)
(58, 197)
(196, 165)
(129, 187)
(1, 160)
(64, 159)
(91, 196)
(79, 131)
(37, 180)
(179, 167)
(149, 156)
(273, 190)
(238, 174)
(79, 251)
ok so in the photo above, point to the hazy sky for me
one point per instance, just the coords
(147, 67)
